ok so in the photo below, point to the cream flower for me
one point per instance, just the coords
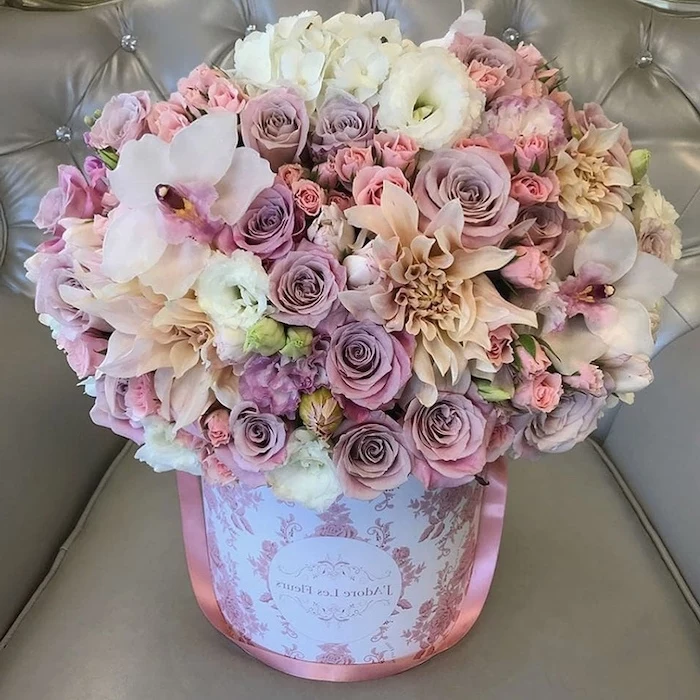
(232, 290)
(655, 222)
(591, 181)
(429, 97)
(163, 451)
(432, 287)
(308, 476)
(345, 26)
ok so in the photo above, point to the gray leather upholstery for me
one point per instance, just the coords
(581, 608)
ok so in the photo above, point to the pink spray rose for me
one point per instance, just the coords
(290, 173)
(140, 398)
(304, 286)
(449, 439)
(166, 119)
(529, 188)
(397, 151)
(266, 229)
(85, 352)
(276, 125)
(367, 366)
(371, 456)
(590, 378)
(308, 196)
(532, 151)
(74, 198)
(480, 180)
(258, 440)
(342, 200)
(350, 161)
(501, 351)
(368, 185)
(225, 95)
(490, 79)
(530, 269)
(325, 174)
(217, 472)
(124, 118)
(194, 88)
(531, 365)
(539, 393)
(216, 427)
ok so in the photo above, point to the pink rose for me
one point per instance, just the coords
(532, 151)
(532, 364)
(74, 198)
(340, 199)
(531, 268)
(367, 366)
(368, 184)
(110, 410)
(542, 225)
(541, 392)
(223, 95)
(194, 88)
(140, 398)
(217, 472)
(397, 151)
(529, 188)
(124, 118)
(308, 196)
(501, 351)
(449, 439)
(349, 161)
(290, 173)
(590, 378)
(325, 174)
(276, 125)
(216, 427)
(502, 436)
(166, 119)
(490, 79)
(304, 285)
(371, 456)
(530, 54)
(84, 353)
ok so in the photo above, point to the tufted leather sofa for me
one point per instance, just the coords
(597, 588)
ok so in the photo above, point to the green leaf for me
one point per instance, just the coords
(529, 343)
(491, 393)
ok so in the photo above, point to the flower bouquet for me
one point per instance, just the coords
(357, 272)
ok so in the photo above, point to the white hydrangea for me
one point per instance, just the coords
(375, 25)
(163, 451)
(232, 291)
(429, 97)
(308, 476)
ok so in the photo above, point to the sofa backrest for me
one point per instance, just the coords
(56, 67)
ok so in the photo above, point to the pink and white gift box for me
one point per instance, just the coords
(363, 590)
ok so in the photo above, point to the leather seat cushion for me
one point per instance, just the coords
(581, 607)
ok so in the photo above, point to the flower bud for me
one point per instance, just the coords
(639, 163)
(320, 412)
(266, 337)
(492, 393)
(298, 342)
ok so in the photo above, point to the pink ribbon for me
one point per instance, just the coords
(489, 539)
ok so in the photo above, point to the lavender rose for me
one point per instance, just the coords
(544, 226)
(480, 180)
(571, 422)
(342, 121)
(490, 52)
(276, 125)
(258, 440)
(449, 439)
(73, 198)
(371, 456)
(266, 229)
(111, 410)
(123, 118)
(304, 286)
(367, 366)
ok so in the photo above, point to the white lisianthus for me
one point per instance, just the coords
(361, 65)
(308, 476)
(163, 451)
(293, 51)
(232, 291)
(430, 97)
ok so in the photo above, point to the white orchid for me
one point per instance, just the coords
(608, 297)
(203, 154)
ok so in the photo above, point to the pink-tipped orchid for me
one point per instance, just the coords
(608, 295)
(170, 192)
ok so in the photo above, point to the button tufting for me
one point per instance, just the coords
(251, 28)
(511, 36)
(644, 60)
(129, 43)
(64, 134)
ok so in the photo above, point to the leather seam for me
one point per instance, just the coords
(4, 235)
(65, 547)
(651, 531)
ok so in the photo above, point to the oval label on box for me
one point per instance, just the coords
(334, 589)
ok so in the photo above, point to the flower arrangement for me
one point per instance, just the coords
(352, 260)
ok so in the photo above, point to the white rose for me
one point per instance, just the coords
(232, 290)
(331, 230)
(308, 476)
(429, 97)
(163, 451)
